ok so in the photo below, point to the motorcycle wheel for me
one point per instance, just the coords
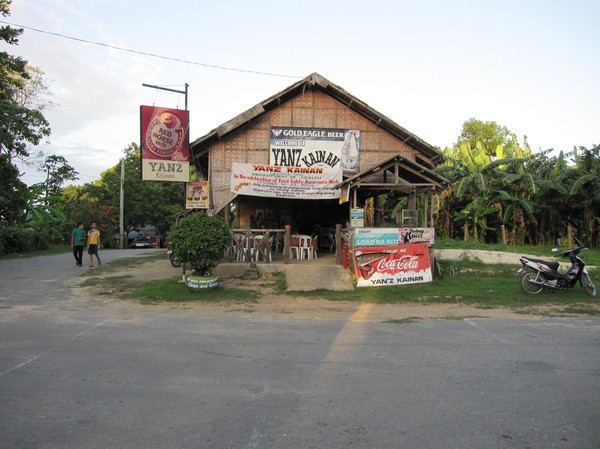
(526, 287)
(175, 261)
(588, 284)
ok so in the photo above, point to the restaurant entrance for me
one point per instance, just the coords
(306, 217)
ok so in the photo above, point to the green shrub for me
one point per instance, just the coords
(199, 240)
(20, 239)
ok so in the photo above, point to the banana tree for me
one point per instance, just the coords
(585, 190)
(475, 216)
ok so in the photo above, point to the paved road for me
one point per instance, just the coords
(82, 377)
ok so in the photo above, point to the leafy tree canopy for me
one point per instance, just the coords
(495, 140)
(20, 125)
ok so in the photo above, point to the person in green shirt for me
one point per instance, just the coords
(78, 238)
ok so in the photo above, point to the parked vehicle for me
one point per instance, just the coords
(141, 241)
(537, 274)
(146, 237)
(175, 261)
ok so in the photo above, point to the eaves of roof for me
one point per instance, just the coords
(410, 175)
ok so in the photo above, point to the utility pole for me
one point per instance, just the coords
(122, 203)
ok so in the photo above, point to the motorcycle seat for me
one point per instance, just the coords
(550, 264)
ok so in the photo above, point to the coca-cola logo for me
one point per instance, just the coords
(392, 266)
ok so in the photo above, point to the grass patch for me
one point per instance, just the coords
(590, 256)
(171, 290)
(52, 249)
(474, 283)
(280, 282)
(580, 309)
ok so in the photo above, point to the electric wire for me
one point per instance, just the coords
(153, 55)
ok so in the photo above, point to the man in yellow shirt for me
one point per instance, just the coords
(93, 242)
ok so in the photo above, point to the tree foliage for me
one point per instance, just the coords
(534, 196)
(199, 240)
(145, 202)
(58, 172)
(20, 125)
(12, 192)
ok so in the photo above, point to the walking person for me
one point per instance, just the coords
(93, 241)
(78, 237)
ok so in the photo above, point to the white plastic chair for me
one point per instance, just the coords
(239, 251)
(262, 247)
(314, 246)
(305, 244)
(295, 246)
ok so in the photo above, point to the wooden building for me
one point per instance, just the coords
(389, 157)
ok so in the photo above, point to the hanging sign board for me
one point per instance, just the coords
(393, 236)
(164, 144)
(392, 265)
(315, 147)
(196, 195)
(357, 217)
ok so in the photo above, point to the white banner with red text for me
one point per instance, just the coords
(274, 181)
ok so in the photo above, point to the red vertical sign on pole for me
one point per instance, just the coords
(165, 144)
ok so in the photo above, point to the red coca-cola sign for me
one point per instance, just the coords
(392, 265)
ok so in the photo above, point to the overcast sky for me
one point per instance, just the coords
(532, 66)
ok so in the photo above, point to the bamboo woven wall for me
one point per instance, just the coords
(312, 109)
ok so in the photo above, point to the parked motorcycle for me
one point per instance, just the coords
(175, 261)
(537, 274)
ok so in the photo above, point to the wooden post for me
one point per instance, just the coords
(425, 211)
(504, 236)
(466, 232)
(570, 236)
(286, 244)
(339, 248)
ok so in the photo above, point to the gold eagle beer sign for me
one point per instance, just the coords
(165, 146)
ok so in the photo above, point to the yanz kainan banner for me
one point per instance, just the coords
(315, 147)
(392, 265)
(275, 181)
(164, 143)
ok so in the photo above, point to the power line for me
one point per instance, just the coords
(153, 55)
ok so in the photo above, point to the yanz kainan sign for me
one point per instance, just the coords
(315, 147)
(164, 143)
(276, 181)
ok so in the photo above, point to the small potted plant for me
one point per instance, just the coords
(199, 240)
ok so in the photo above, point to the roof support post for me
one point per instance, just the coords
(426, 210)
(339, 245)
(287, 239)
(412, 199)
